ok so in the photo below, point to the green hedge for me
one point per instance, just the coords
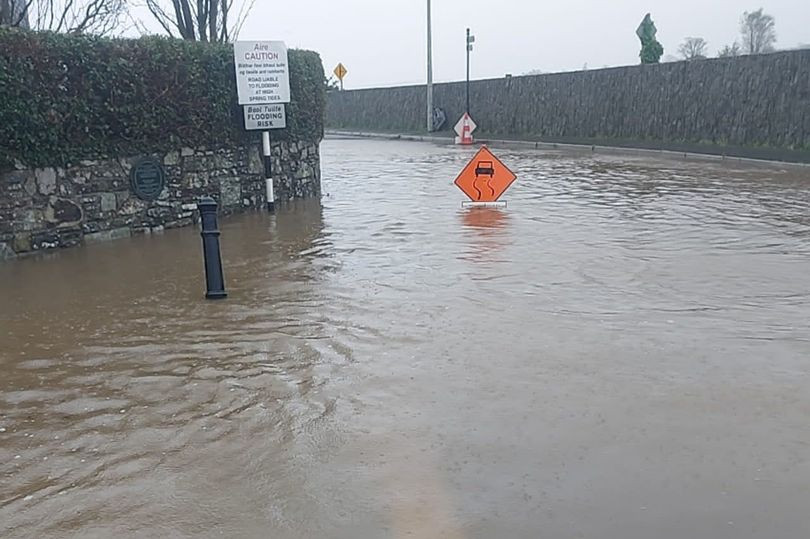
(66, 98)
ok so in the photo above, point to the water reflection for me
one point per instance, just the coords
(486, 231)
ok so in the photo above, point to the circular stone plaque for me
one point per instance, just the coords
(147, 178)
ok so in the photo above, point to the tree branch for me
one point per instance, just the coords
(188, 19)
(213, 16)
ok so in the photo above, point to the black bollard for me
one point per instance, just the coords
(214, 281)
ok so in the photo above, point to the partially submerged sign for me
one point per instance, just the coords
(485, 178)
(464, 129)
(262, 72)
(265, 117)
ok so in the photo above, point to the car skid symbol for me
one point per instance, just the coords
(484, 172)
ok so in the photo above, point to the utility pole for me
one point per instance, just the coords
(470, 41)
(429, 72)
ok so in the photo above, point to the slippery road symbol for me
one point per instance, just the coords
(485, 178)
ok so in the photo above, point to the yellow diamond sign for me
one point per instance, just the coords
(340, 72)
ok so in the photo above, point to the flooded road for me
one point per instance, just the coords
(622, 353)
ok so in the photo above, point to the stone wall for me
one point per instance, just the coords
(62, 207)
(755, 106)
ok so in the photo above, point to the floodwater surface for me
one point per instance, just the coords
(623, 352)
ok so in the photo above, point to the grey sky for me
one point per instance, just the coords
(382, 42)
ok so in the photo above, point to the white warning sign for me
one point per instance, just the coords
(262, 74)
(265, 117)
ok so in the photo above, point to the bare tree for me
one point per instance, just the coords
(13, 13)
(758, 32)
(693, 48)
(68, 16)
(730, 51)
(201, 20)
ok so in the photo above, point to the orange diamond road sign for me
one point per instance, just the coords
(340, 71)
(485, 178)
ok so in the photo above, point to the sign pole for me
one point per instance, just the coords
(469, 47)
(268, 171)
(429, 72)
(263, 87)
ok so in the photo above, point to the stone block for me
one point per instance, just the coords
(27, 219)
(255, 161)
(172, 158)
(179, 223)
(70, 237)
(6, 252)
(66, 189)
(195, 180)
(230, 192)
(159, 213)
(89, 227)
(46, 180)
(44, 240)
(31, 185)
(131, 206)
(198, 164)
(22, 242)
(91, 205)
(121, 197)
(63, 212)
(16, 177)
(108, 235)
(79, 178)
(122, 221)
(108, 202)
(6, 225)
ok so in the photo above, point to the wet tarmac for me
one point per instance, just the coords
(623, 352)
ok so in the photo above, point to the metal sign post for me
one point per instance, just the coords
(268, 171)
(266, 117)
(429, 71)
(470, 41)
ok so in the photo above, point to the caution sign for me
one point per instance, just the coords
(485, 178)
(262, 73)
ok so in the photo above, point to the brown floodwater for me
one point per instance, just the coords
(621, 353)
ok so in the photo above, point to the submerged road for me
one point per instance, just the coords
(621, 353)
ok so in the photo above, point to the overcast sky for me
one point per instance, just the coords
(382, 42)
